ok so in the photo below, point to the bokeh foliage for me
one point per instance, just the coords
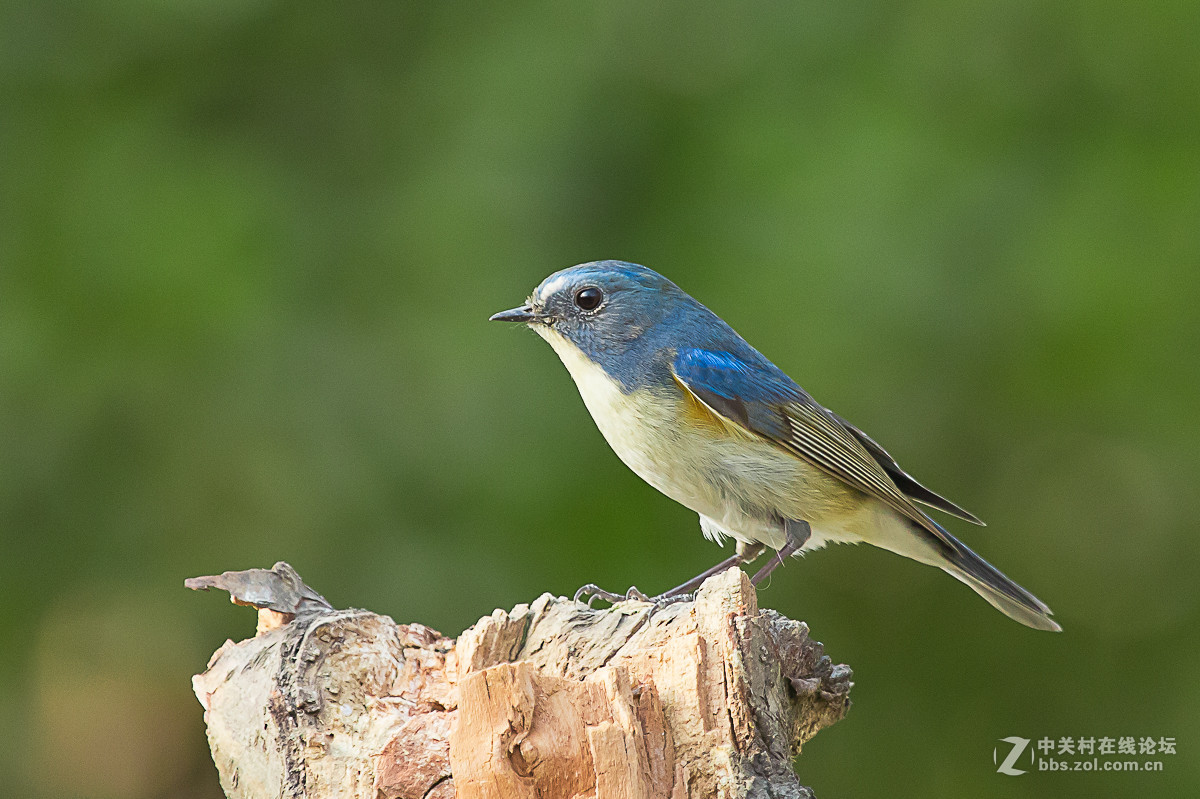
(247, 252)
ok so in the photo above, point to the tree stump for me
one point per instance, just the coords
(710, 697)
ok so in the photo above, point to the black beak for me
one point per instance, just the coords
(522, 314)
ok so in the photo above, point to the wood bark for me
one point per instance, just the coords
(703, 698)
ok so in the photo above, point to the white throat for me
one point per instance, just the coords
(600, 393)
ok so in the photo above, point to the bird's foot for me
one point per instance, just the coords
(593, 591)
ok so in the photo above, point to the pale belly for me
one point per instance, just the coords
(741, 485)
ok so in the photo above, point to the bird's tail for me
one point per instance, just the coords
(990, 583)
(956, 559)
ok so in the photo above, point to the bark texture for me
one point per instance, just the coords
(712, 697)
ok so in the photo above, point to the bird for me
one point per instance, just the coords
(699, 414)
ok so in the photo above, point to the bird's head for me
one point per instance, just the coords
(599, 307)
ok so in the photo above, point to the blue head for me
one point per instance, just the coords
(627, 319)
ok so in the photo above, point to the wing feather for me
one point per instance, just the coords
(763, 400)
(905, 481)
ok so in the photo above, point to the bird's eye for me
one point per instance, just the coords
(589, 299)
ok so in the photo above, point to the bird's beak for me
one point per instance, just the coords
(522, 314)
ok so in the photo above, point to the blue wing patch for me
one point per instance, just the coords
(740, 392)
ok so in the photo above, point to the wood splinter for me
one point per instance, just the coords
(708, 698)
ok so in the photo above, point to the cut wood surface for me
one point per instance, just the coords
(706, 698)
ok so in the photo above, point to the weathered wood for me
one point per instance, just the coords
(711, 697)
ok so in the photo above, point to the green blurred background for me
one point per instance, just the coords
(247, 255)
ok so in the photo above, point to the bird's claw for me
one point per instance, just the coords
(593, 591)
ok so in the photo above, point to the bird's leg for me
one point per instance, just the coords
(798, 532)
(745, 553)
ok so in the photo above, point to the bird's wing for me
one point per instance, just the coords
(763, 400)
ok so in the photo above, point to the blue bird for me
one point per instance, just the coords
(702, 416)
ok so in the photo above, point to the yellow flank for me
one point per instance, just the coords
(838, 497)
(700, 414)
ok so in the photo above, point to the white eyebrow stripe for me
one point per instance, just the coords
(553, 286)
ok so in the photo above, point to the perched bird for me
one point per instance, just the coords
(706, 419)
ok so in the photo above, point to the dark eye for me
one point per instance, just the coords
(589, 299)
